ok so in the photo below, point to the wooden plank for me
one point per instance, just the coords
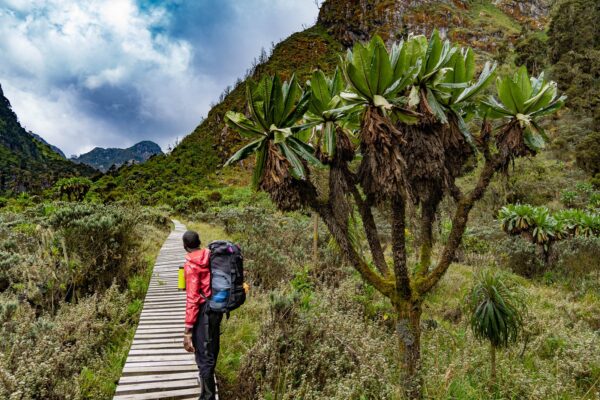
(169, 306)
(162, 351)
(164, 311)
(167, 363)
(170, 394)
(163, 344)
(166, 308)
(174, 300)
(153, 387)
(157, 358)
(159, 328)
(162, 319)
(147, 370)
(157, 377)
(157, 335)
(178, 339)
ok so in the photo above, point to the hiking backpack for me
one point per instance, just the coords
(226, 276)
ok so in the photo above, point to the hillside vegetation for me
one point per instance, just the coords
(27, 164)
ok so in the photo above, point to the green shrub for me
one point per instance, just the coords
(102, 242)
(588, 153)
(317, 353)
(42, 357)
(577, 257)
(68, 250)
(519, 256)
(272, 243)
(189, 205)
(59, 311)
(215, 197)
(568, 197)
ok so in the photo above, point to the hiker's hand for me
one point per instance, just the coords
(187, 343)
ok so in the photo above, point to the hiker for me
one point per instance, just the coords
(202, 326)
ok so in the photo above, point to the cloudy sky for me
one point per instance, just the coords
(109, 73)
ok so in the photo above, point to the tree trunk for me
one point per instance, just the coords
(315, 239)
(493, 363)
(426, 237)
(408, 329)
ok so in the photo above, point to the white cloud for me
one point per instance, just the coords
(58, 116)
(73, 70)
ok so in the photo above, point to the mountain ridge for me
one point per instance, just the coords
(104, 159)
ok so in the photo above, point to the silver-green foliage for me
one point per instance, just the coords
(544, 226)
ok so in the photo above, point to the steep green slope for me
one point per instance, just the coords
(27, 164)
(492, 27)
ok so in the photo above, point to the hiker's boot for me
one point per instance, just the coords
(208, 389)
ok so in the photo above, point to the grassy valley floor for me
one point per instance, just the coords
(320, 332)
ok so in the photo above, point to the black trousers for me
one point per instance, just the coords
(206, 340)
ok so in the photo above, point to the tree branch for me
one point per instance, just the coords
(341, 235)
(426, 237)
(364, 207)
(403, 289)
(459, 223)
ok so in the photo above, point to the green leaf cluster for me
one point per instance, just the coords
(544, 226)
(415, 77)
(274, 108)
(525, 100)
(496, 310)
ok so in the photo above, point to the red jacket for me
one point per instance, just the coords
(197, 284)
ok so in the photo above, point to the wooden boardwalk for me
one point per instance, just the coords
(157, 366)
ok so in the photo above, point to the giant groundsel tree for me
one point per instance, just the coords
(412, 108)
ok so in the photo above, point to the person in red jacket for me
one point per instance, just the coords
(202, 327)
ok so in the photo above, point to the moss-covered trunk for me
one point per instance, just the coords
(408, 329)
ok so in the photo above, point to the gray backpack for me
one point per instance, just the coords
(226, 276)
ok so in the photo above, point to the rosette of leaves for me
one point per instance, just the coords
(281, 156)
(521, 102)
(377, 80)
(570, 220)
(544, 227)
(497, 311)
(443, 93)
(535, 223)
(446, 78)
(579, 222)
(330, 118)
(332, 122)
(590, 225)
(516, 218)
